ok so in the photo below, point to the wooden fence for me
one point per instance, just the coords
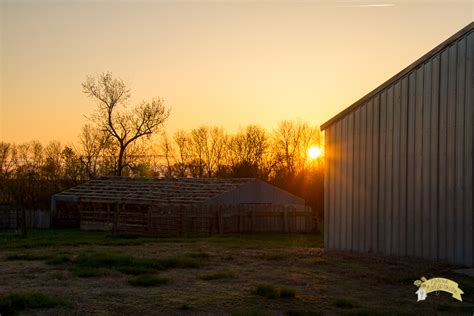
(34, 218)
(181, 220)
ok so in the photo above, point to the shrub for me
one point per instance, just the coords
(184, 261)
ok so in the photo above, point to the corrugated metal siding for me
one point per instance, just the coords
(399, 166)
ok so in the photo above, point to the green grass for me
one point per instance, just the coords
(184, 261)
(147, 280)
(38, 238)
(216, 276)
(128, 264)
(98, 264)
(16, 302)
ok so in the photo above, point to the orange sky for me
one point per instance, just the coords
(225, 63)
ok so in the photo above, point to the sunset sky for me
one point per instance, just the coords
(225, 63)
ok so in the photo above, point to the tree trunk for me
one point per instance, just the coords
(120, 161)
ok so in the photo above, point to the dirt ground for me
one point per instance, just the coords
(323, 282)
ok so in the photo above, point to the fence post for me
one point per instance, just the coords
(285, 219)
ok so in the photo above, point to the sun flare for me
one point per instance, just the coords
(314, 152)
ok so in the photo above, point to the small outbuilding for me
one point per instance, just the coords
(399, 171)
(177, 206)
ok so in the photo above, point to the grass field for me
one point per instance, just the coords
(70, 271)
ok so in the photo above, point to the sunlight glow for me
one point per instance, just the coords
(314, 152)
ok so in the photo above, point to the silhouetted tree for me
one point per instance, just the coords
(124, 127)
(92, 145)
(247, 149)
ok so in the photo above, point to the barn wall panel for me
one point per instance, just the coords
(349, 179)
(405, 183)
(403, 168)
(468, 157)
(426, 160)
(345, 196)
(434, 165)
(396, 162)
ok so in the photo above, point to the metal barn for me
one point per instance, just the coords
(399, 175)
(178, 206)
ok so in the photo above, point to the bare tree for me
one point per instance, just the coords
(7, 159)
(182, 141)
(217, 149)
(248, 148)
(52, 166)
(122, 125)
(291, 140)
(92, 144)
(72, 164)
(167, 148)
(200, 149)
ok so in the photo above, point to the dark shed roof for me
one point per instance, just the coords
(468, 28)
(150, 190)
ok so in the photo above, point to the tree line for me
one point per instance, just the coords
(205, 151)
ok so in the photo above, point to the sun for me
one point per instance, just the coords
(314, 152)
